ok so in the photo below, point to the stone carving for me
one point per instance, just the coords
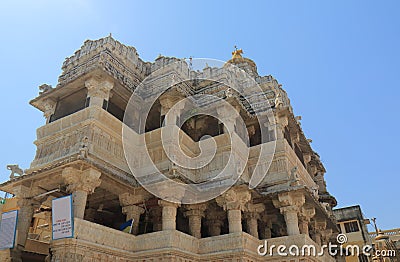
(278, 101)
(77, 180)
(84, 148)
(15, 169)
(44, 88)
(294, 177)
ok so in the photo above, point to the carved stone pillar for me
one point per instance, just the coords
(227, 117)
(194, 213)
(318, 227)
(268, 220)
(98, 91)
(133, 212)
(290, 204)
(168, 214)
(214, 227)
(214, 222)
(129, 203)
(252, 215)
(49, 107)
(233, 201)
(320, 181)
(27, 206)
(291, 219)
(281, 123)
(156, 218)
(80, 184)
(326, 236)
(304, 219)
(170, 109)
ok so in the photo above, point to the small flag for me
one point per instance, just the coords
(127, 226)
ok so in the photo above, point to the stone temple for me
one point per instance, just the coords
(80, 151)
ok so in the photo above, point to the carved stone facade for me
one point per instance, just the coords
(80, 152)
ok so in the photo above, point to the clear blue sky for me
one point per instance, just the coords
(338, 61)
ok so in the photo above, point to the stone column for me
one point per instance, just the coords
(304, 219)
(268, 220)
(27, 205)
(98, 91)
(156, 217)
(129, 203)
(214, 227)
(228, 118)
(194, 213)
(170, 109)
(252, 215)
(133, 212)
(49, 107)
(291, 219)
(326, 236)
(289, 204)
(233, 201)
(214, 222)
(80, 184)
(318, 226)
(281, 123)
(168, 214)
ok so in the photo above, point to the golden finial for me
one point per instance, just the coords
(237, 53)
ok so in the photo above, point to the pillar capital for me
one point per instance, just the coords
(80, 184)
(99, 88)
(165, 203)
(132, 211)
(289, 204)
(319, 225)
(254, 210)
(326, 235)
(128, 199)
(49, 107)
(234, 199)
(306, 213)
(294, 199)
(195, 210)
(77, 180)
(195, 213)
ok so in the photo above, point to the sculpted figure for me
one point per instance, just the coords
(15, 169)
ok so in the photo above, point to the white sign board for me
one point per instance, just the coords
(8, 228)
(62, 217)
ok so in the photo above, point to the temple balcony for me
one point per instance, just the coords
(93, 241)
(97, 133)
(94, 133)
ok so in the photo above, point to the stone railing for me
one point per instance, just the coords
(169, 239)
(228, 243)
(98, 234)
(96, 241)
